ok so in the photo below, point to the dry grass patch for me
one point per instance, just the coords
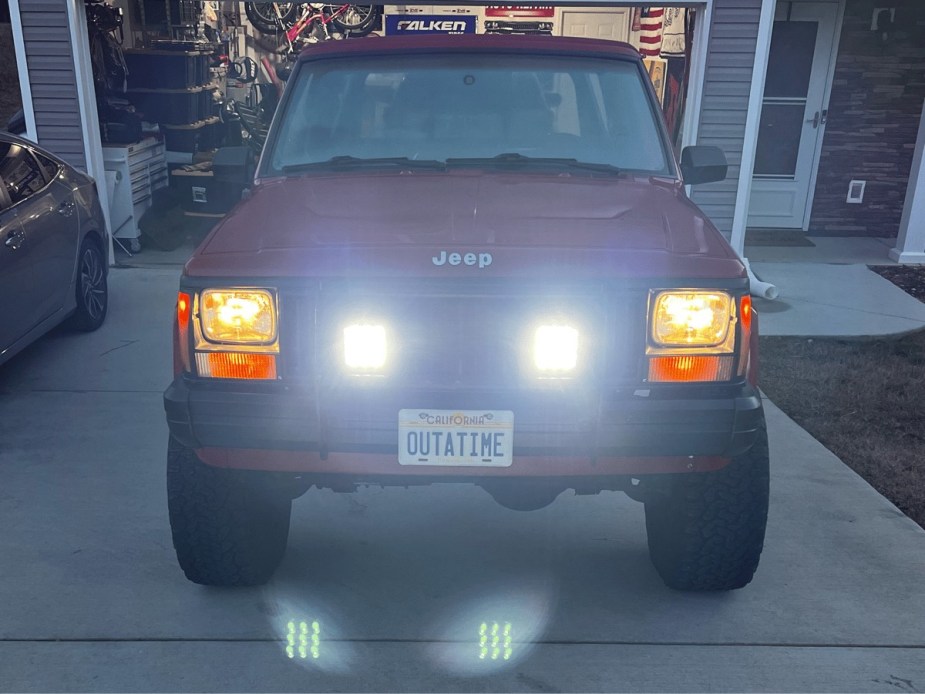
(864, 400)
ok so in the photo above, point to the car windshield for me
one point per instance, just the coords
(485, 109)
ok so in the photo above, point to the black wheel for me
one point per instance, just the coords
(359, 20)
(91, 287)
(271, 17)
(706, 530)
(229, 527)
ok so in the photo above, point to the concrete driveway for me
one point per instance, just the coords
(400, 581)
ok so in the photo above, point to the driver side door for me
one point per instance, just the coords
(15, 276)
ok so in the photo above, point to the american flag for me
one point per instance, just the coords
(650, 31)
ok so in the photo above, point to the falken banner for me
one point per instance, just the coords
(429, 24)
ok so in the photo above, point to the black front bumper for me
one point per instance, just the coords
(670, 421)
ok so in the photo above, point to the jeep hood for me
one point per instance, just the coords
(390, 224)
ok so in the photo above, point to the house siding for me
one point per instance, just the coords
(874, 110)
(50, 63)
(724, 105)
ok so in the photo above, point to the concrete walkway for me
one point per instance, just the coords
(819, 299)
(827, 289)
(91, 598)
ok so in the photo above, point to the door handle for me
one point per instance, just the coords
(14, 239)
(819, 118)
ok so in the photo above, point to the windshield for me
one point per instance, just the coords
(464, 107)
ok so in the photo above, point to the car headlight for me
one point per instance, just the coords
(365, 347)
(239, 316)
(555, 349)
(703, 320)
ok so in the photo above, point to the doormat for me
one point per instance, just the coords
(776, 237)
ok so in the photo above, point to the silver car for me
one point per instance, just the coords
(52, 246)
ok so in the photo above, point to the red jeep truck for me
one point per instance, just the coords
(469, 259)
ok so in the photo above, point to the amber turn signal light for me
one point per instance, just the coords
(237, 365)
(181, 360)
(690, 368)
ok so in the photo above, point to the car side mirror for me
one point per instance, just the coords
(703, 164)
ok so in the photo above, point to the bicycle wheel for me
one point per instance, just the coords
(271, 17)
(359, 20)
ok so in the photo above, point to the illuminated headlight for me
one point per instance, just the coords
(555, 348)
(240, 316)
(693, 319)
(365, 347)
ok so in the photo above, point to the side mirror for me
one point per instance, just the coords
(703, 164)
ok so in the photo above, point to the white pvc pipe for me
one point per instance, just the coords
(765, 290)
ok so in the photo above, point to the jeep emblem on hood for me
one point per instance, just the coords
(480, 259)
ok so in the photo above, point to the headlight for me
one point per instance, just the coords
(693, 319)
(242, 316)
(364, 347)
(555, 348)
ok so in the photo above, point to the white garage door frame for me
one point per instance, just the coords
(86, 97)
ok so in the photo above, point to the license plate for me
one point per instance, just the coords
(464, 438)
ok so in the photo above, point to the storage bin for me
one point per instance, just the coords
(166, 69)
(173, 106)
(201, 192)
(194, 137)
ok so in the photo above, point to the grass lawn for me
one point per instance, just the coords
(863, 399)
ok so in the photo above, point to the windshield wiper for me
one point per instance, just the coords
(349, 162)
(542, 162)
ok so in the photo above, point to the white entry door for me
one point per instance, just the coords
(793, 113)
(602, 24)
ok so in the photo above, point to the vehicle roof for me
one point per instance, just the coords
(467, 43)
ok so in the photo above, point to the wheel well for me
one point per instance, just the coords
(96, 237)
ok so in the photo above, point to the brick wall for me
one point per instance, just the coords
(874, 112)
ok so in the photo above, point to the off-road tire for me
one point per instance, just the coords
(91, 287)
(229, 527)
(706, 530)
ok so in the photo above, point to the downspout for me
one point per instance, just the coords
(759, 288)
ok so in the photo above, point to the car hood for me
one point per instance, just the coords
(394, 224)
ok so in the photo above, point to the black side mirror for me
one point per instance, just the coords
(703, 164)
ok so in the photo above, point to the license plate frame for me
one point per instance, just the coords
(477, 438)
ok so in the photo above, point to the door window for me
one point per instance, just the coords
(49, 167)
(20, 172)
(790, 65)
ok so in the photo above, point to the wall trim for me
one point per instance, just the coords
(826, 97)
(86, 98)
(752, 122)
(22, 68)
(690, 127)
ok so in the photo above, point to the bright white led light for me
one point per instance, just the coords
(364, 346)
(555, 348)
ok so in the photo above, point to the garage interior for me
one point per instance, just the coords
(177, 81)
